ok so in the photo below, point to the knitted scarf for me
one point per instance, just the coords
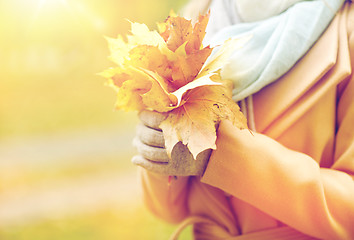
(276, 43)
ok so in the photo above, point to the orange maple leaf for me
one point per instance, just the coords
(177, 30)
(195, 42)
(186, 68)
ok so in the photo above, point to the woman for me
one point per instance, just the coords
(291, 177)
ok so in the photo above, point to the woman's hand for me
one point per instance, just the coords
(150, 144)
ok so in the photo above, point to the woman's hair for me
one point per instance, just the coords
(195, 7)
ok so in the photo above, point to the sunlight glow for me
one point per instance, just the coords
(41, 4)
(44, 6)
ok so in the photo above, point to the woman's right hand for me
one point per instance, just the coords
(150, 144)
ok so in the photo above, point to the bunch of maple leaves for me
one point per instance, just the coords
(169, 71)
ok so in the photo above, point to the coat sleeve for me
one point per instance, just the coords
(165, 198)
(289, 185)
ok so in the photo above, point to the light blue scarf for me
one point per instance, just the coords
(277, 43)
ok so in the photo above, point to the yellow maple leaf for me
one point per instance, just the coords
(150, 57)
(141, 35)
(132, 87)
(158, 97)
(194, 123)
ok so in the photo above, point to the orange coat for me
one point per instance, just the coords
(297, 171)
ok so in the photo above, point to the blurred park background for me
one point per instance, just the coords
(65, 170)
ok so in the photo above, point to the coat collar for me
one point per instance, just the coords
(329, 56)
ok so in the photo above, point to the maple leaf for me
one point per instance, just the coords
(118, 48)
(141, 35)
(186, 68)
(194, 123)
(157, 98)
(202, 81)
(195, 41)
(171, 72)
(132, 86)
(142, 55)
(164, 28)
(177, 31)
